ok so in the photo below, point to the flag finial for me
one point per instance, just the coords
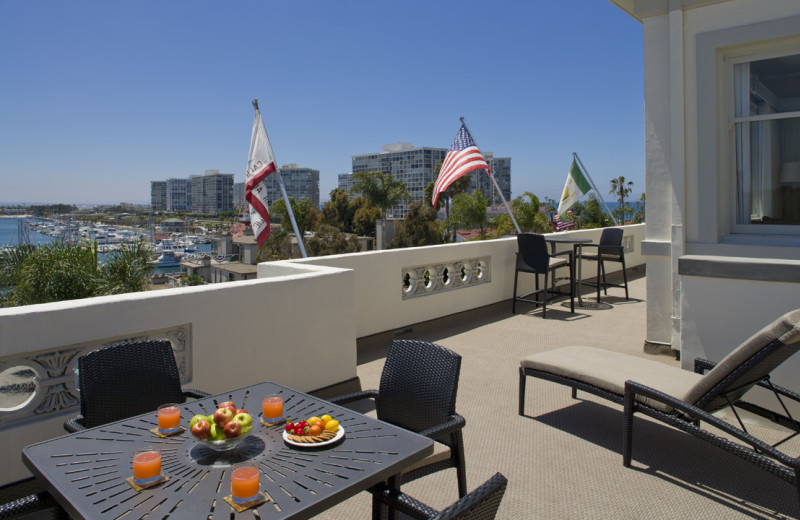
(255, 103)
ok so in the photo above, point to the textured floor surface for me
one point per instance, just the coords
(563, 458)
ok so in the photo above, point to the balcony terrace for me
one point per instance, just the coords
(563, 459)
(325, 324)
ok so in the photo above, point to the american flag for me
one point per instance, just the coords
(563, 226)
(462, 158)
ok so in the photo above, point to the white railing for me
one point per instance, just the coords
(297, 324)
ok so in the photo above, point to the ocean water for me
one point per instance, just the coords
(10, 236)
(9, 233)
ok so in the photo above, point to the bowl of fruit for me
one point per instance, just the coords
(223, 430)
(313, 433)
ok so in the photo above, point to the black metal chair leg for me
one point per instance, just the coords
(522, 377)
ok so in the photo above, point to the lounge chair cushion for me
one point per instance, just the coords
(609, 370)
(786, 329)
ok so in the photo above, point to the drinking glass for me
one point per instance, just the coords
(169, 418)
(244, 482)
(146, 465)
(272, 409)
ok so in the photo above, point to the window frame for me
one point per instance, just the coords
(710, 230)
(730, 58)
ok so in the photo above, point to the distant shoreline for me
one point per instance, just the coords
(16, 216)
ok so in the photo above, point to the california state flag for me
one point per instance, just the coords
(260, 163)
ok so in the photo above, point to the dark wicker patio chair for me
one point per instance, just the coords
(534, 258)
(417, 392)
(480, 504)
(610, 249)
(684, 399)
(37, 506)
(127, 379)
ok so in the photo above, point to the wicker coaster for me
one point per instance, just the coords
(137, 487)
(157, 433)
(260, 499)
(279, 420)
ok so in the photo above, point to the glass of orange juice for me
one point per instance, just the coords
(272, 409)
(244, 482)
(169, 418)
(146, 466)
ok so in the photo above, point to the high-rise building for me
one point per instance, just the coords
(179, 195)
(239, 202)
(158, 195)
(412, 166)
(501, 170)
(416, 167)
(212, 193)
(345, 182)
(300, 183)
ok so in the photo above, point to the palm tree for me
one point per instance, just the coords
(380, 188)
(621, 189)
(469, 211)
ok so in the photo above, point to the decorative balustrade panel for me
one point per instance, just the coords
(424, 280)
(35, 385)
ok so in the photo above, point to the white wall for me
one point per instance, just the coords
(687, 180)
(378, 280)
(297, 328)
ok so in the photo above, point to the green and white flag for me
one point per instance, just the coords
(576, 187)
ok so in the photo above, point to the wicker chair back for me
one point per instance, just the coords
(127, 379)
(532, 254)
(418, 385)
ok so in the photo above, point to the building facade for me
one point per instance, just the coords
(300, 183)
(212, 193)
(179, 195)
(239, 202)
(416, 168)
(722, 112)
(158, 195)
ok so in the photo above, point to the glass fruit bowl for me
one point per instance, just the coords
(224, 445)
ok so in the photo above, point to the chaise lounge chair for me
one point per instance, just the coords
(686, 399)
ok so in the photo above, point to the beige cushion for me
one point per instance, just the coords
(609, 370)
(786, 329)
(440, 452)
(555, 262)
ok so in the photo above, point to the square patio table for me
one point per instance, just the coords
(86, 471)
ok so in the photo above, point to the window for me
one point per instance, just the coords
(766, 147)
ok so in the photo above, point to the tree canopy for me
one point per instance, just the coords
(381, 189)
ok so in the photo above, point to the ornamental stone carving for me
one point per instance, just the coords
(38, 384)
(424, 280)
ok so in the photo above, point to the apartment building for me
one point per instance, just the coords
(416, 168)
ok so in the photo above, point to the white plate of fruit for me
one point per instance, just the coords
(313, 433)
(223, 430)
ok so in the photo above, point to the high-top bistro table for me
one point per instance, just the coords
(577, 247)
(86, 471)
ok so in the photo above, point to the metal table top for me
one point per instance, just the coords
(86, 471)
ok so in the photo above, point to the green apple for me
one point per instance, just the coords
(195, 419)
(217, 433)
(245, 420)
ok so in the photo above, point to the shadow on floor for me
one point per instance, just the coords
(681, 459)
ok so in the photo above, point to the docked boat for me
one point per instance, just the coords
(168, 259)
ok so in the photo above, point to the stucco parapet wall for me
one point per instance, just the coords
(641, 9)
(740, 268)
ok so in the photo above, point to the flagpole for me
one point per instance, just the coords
(283, 190)
(583, 169)
(516, 226)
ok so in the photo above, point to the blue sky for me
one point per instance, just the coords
(99, 98)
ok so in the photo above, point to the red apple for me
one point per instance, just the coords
(239, 410)
(223, 416)
(228, 404)
(201, 429)
(232, 429)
